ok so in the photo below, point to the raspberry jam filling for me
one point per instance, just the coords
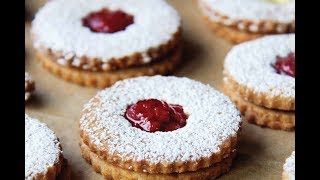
(286, 65)
(153, 115)
(107, 21)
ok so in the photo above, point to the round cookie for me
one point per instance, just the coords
(29, 86)
(244, 20)
(43, 152)
(289, 168)
(210, 134)
(249, 71)
(107, 36)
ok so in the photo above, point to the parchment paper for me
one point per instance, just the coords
(58, 103)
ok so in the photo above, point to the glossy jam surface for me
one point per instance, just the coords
(106, 21)
(153, 115)
(286, 65)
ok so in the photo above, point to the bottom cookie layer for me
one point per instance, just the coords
(275, 119)
(231, 34)
(105, 79)
(110, 171)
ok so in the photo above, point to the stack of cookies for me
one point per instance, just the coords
(96, 43)
(259, 76)
(152, 128)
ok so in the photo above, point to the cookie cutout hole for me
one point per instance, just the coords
(107, 21)
(153, 115)
(285, 65)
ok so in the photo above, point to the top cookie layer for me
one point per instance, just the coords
(58, 26)
(213, 120)
(250, 66)
(42, 148)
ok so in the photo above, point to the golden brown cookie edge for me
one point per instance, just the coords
(231, 34)
(275, 119)
(260, 99)
(105, 79)
(136, 59)
(110, 171)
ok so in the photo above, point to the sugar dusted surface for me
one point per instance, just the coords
(213, 118)
(254, 10)
(289, 166)
(41, 147)
(250, 65)
(27, 77)
(58, 26)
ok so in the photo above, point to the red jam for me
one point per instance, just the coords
(107, 21)
(286, 65)
(153, 115)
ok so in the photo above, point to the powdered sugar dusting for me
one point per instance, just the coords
(289, 166)
(250, 65)
(41, 147)
(213, 118)
(58, 26)
(254, 10)
(27, 77)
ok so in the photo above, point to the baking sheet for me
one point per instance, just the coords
(58, 103)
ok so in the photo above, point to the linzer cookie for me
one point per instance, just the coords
(43, 153)
(105, 41)
(259, 76)
(289, 168)
(29, 86)
(160, 128)
(243, 20)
